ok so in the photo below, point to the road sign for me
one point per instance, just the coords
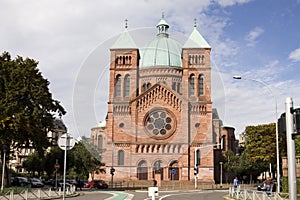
(112, 170)
(173, 171)
(66, 140)
(57, 166)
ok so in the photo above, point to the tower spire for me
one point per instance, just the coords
(195, 22)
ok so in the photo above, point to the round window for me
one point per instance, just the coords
(160, 123)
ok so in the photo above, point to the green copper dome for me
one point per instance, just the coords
(162, 51)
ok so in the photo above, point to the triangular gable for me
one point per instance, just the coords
(155, 93)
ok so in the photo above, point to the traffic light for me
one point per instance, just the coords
(197, 157)
(195, 171)
(297, 119)
(112, 170)
(281, 124)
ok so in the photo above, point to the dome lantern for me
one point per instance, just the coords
(163, 27)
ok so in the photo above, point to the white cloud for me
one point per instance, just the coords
(252, 36)
(225, 3)
(61, 34)
(295, 55)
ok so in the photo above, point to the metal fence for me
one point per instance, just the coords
(246, 194)
(41, 193)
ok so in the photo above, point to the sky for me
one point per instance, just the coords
(258, 40)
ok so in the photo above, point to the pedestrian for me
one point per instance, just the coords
(235, 183)
(269, 185)
(154, 183)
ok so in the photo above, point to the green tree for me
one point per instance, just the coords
(90, 157)
(55, 155)
(81, 160)
(260, 148)
(27, 108)
(34, 163)
(231, 165)
(297, 146)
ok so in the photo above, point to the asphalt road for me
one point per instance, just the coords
(143, 195)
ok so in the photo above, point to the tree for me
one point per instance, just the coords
(231, 164)
(297, 146)
(80, 161)
(53, 156)
(27, 108)
(260, 148)
(34, 163)
(88, 154)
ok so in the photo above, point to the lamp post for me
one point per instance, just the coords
(3, 168)
(221, 174)
(276, 124)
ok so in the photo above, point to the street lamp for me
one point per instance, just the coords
(221, 181)
(3, 167)
(277, 140)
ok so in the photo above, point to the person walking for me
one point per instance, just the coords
(235, 183)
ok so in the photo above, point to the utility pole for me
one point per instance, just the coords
(290, 149)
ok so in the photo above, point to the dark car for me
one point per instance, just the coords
(20, 181)
(36, 183)
(100, 184)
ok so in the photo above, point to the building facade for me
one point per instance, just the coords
(159, 110)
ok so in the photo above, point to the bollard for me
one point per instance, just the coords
(152, 192)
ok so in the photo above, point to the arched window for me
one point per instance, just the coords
(100, 143)
(158, 169)
(127, 85)
(157, 166)
(120, 157)
(142, 170)
(144, 88)
(223, 143)
(148, 85)
(178, 88)
(192, 85)
(201, 85)
(118, 86)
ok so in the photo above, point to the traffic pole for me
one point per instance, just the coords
(290, 149)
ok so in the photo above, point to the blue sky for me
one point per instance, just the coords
(70, 38)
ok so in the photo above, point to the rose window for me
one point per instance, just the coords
(160, 123)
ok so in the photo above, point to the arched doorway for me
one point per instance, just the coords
(157, 169)
(142, 170)
(174, 171)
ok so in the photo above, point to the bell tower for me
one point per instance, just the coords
(197, 91)
(123, 85)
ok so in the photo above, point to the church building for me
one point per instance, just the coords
(159, 123)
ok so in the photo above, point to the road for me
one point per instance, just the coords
(143, 195)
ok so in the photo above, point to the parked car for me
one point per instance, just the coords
(72, 182)
(36, 183)
(100, 184)
(20, 181)
(86, 184)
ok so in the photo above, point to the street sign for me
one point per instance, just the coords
(66, 140)
(173, 171)
(57, 166)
